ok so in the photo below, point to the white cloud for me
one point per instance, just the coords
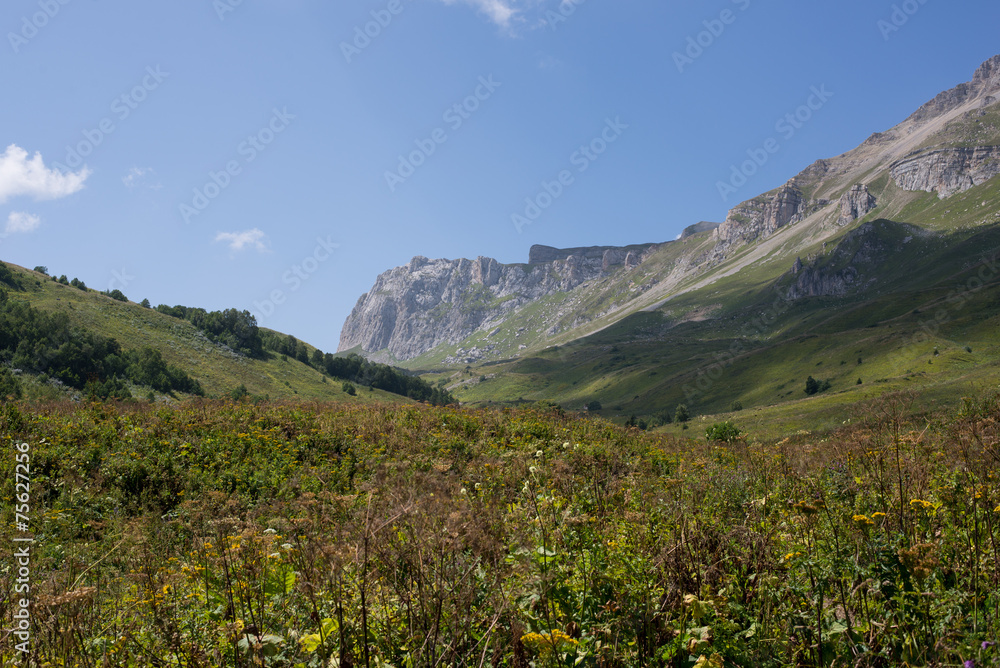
(239, 240)
(18, 222)
(500, 11)
(21, 176)
(137, 177)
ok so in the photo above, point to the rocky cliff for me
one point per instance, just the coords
(947, 171)
(949, 145)
(415, 308)
(855, 264)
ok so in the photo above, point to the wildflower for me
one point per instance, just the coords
(878, 515)
(539, 454)
(863, 520)
(714, 661)
(987, 644)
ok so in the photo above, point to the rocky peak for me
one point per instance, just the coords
(985, 82)
(987, 77)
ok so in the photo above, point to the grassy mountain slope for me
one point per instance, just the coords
(218, 369)
(925, 289)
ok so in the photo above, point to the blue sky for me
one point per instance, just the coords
(270, 155)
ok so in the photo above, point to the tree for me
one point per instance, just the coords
(594, 406)
(145, 303)
(681, 414)
(42, 270)
(117, 295)
(10, 386)
(812, 386)
(317, 359)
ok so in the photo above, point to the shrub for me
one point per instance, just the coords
(349, 388)
(594, 406)
(725, 432)
(681, 414)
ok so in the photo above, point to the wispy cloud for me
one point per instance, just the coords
(21, 176)
(501, 12)
(238, 241)
(137, 177)
(19, 222)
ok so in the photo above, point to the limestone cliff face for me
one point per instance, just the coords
(759, 218)
(947, 171)
(856, 203)
(415, 308)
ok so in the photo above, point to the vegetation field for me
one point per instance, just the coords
(252, 534)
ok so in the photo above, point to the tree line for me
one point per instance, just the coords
(357, 369)
(46, 343)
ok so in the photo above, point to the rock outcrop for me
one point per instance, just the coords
(415, 308)
(854, 264)
(698, 228)
(759, 218)
(856, 203)
(947, 171)
(539, 254)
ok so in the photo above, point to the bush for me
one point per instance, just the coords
(349, 388)
(724, 432)
(814, 386)
(238, 393)
(736, 407)
(117, 295)
(681, 414)
(10, 385)
(594, 406)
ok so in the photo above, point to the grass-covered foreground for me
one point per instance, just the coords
(310, 535)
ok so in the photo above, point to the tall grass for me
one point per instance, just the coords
(221, 534)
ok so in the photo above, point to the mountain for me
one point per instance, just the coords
(856, 233)
(463, 311)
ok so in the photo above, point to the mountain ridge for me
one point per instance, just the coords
(946, 147)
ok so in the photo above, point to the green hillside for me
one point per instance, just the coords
(218, 369)
(922, 315)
